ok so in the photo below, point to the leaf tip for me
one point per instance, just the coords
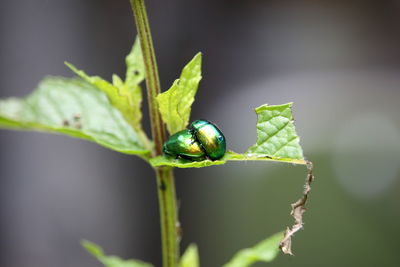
(67, 64)
(190, 258)
(198, 58)
(71, 67)
(92, 248)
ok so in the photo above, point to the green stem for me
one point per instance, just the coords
(168, 216)
(165, 177)
(152, 80)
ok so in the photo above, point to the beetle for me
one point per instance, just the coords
(210, 137)
(201, 140)
(183, 144)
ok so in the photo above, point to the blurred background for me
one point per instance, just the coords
(338, 61)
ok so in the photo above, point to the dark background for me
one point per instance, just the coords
(337, 60)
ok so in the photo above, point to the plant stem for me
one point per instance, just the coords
(168, 216)
(165, 177)
(152, 80)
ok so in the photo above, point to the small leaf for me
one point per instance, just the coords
(135, 74)
(75, 108)
(135, 71)
(111, 261)
(265, 251)
(276, 134)
(175, 104)
(190, 258)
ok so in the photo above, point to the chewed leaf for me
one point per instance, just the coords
(75, 108)
(135, 71)
(182, 163)
(190, 258)
(125, 96)
(276, 134)
(175, 104)
(298, 209)
(265, 251)
(277, 141)
(111, 261)
(126, 100)
(229, 156)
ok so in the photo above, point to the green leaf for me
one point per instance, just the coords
(111, 261)
(277, 141)
(190, 258)
(75, 108)
(125, 96)
(229, 156)
(182, 163)
(276, 134)
(175, 104)
(135, 71)
(265, 251)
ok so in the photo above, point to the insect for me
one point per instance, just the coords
(201, 140)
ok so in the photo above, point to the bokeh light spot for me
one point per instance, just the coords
(366, 155)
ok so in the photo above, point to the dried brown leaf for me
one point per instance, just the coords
(298, 209)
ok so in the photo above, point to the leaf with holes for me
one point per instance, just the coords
(75, 108)
(125, 96)
(175, 104)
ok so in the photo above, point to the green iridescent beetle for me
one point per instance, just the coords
(202, 140)
(210, 138)
(183, 144)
